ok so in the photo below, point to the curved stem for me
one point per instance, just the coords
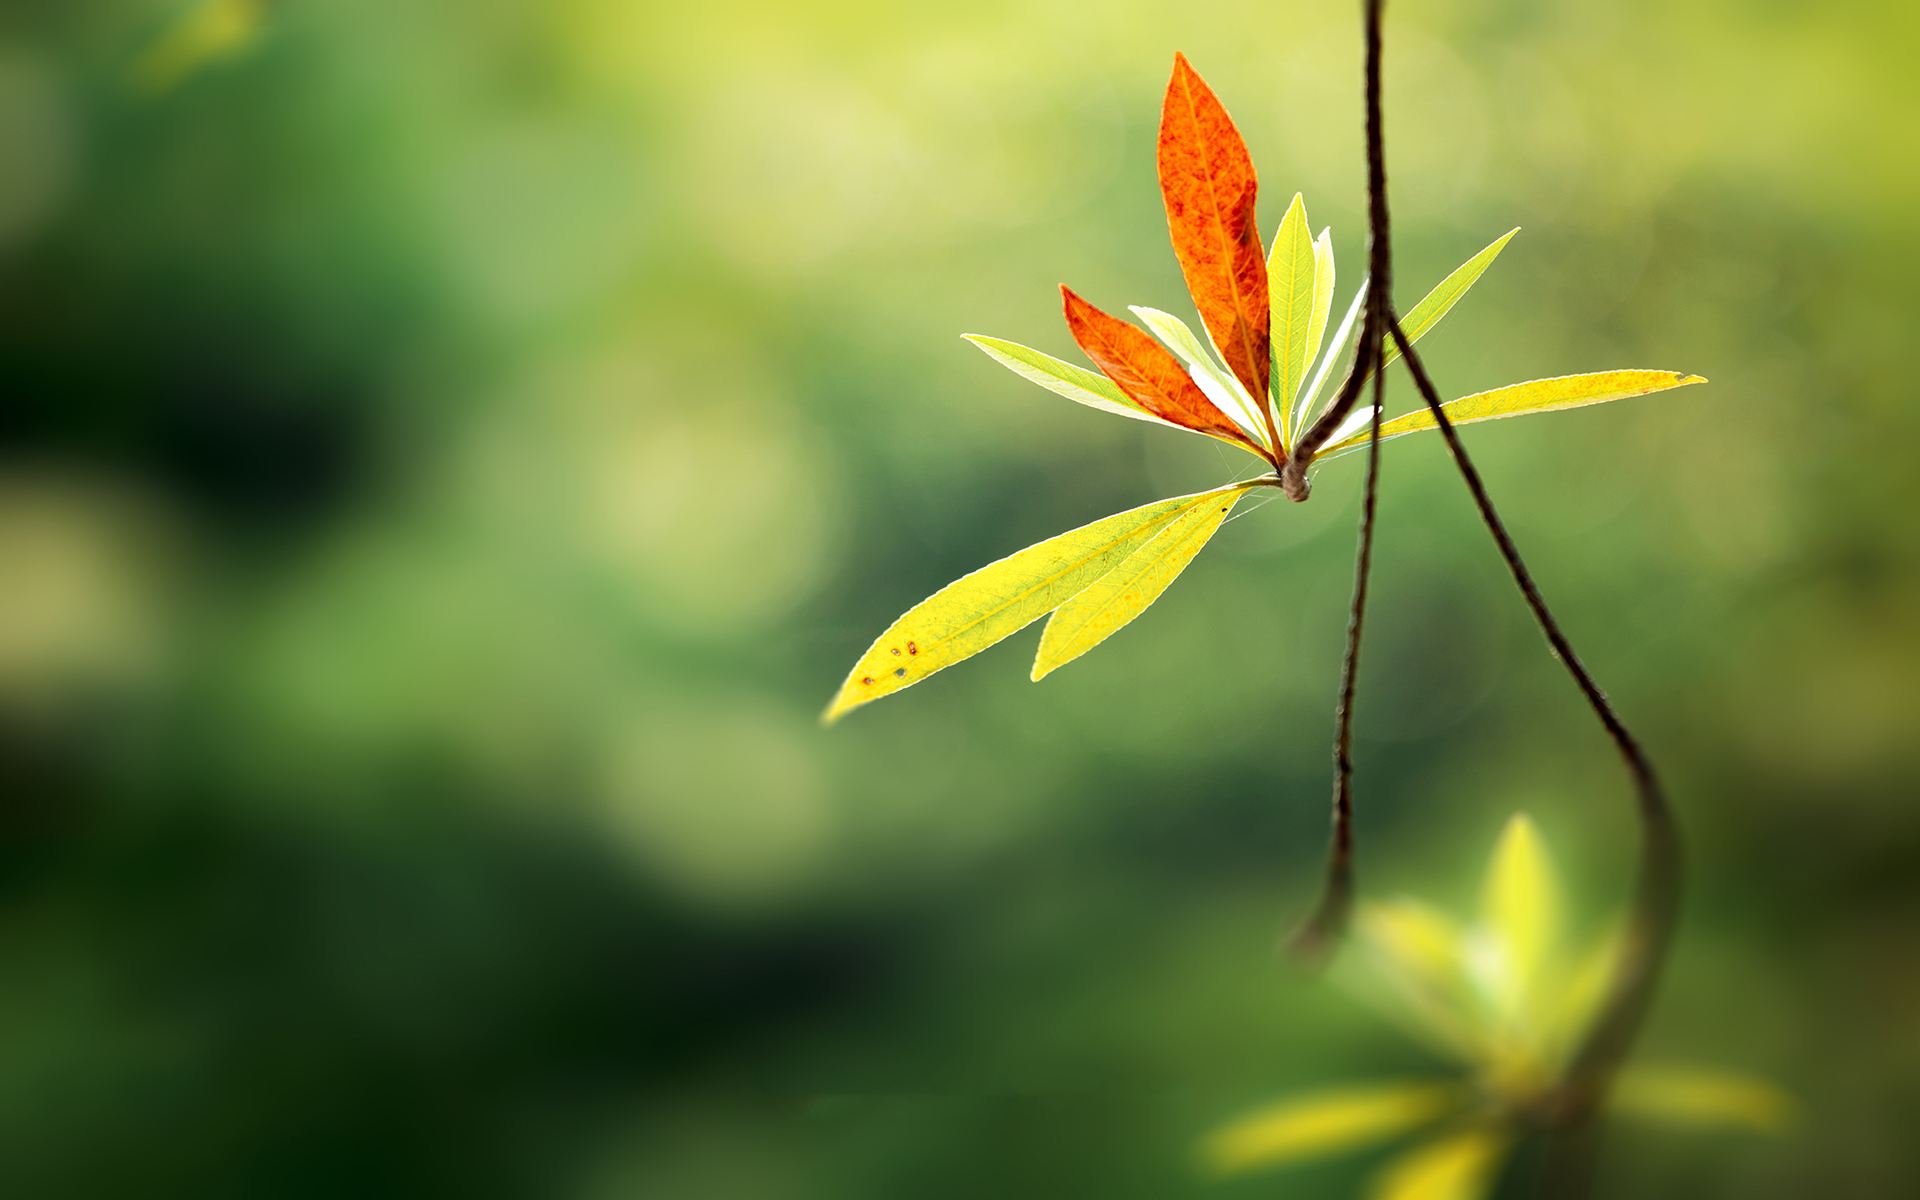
(1657, 883)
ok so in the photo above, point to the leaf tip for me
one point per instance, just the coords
(1681, 379)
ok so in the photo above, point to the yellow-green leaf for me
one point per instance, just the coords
(1125, 592)
(1460, 1166)
(1445, 294)
(1290, 294)
(1520, 911)
(1063, 378)
(1324, 1124)
(1519, 399)
(979, 609)
(1703, 1098)
(1208, 375)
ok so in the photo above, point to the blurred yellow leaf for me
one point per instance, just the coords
(1537, 395)
(1125, 592)
(1520, 911)
(209, 31)
(1457, 1167)
(1001, 598)
(1327, 1123)
(1290, 293)
(1703, 1097)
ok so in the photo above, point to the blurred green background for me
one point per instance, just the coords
(449, 453)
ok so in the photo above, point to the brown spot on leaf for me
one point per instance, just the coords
(912, 649)
(867, 679)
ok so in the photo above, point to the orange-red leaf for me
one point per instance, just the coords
(1206, 178)
(1147, 372)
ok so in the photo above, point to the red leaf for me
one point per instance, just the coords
(1147, 372)
(1207, 181)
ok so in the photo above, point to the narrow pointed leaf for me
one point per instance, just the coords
(1290, 291)
(1703, 1098)
(1519, 399)
(1325, 1124)
(1336, 350)
(1125, 592)
(1520, 911)
(979, 609)
(1208, 184)
(1220, 387)
(1062, 378)
(1458, 1167)
(1445, 294)
(1146, 372)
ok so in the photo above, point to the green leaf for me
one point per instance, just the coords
(1215, 380)
(1125, 592)
(1703, 1098)
(1335, 350)
(1063, 378)
(1519, 399)
(1290, 292)
(1328, 1123)
(979, 609)
(1445, 294)
(1459, 1166)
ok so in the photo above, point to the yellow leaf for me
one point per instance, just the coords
(1290, 296)
(1703, 1097)
(1520, 911)
(1324, 1124)
(1460, 1166)
(1538, 395)
(979, 609)
(1125, 592)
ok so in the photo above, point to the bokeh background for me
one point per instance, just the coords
(451, 452)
